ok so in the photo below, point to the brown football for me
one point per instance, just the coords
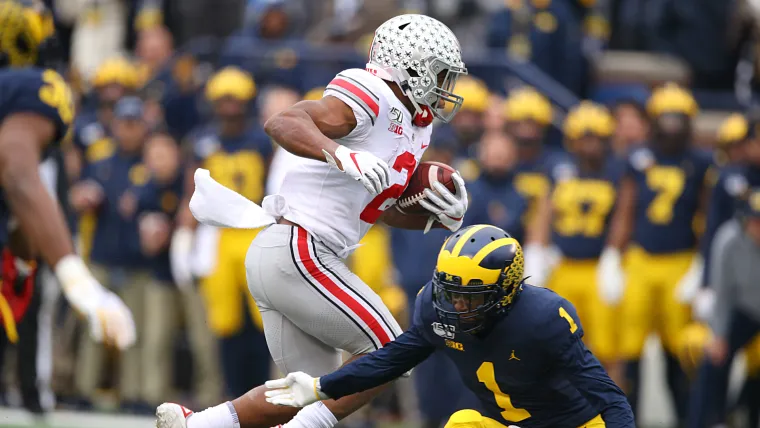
(423, 178)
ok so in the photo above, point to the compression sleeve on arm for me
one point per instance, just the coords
(379, 367)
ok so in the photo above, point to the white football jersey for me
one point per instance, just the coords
(328, 203)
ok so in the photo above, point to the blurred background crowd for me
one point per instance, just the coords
(166, 86)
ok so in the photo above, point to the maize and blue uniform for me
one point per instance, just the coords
(38, 91)
(530, 368)
(496, 201)
(534, 179)
(582, 207)
(669, 190)
(240, 164)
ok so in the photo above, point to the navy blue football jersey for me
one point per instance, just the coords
(534, 179)
(530, 369)
(38, 91)
(668, 192)
(582, 206)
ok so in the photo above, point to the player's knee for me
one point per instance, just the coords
(467, 418)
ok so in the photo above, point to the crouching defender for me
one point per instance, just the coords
(517, 347)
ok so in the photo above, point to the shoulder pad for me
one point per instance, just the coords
(359, 86)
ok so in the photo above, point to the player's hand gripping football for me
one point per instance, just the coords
(365, 167)
(109, 318)
(447, 208)
(297, 389)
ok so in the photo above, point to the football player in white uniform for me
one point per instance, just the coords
(360, 145)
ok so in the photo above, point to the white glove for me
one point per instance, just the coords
(537, 265)
(372, 171)
(180, 251)
(110, 320)
(447, 208)
(609, 276)
(295, 390)
(703, 304)
(691, 281)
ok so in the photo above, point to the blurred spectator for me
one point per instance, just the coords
(735, 320)
(99, 33)
(237, 153)
(156, 206)
(632, 126)
(467, 126)
(495, 199)
(117, 260)
(528, 115)
(546, 33)
(153, 51)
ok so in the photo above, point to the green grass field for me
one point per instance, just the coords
(12, 418)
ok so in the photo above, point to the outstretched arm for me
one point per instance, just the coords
(375, 369)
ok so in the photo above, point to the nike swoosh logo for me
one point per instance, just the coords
(353, 158)
(185, 411)
(425, 145)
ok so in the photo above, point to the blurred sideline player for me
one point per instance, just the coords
(575, 218)
(735, 319)
(528, 115)
(361, 143)
(36, 110)
(518, 347)
(661, 194)
(237, 153)
(466, 129)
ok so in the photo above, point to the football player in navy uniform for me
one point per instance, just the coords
(662, 192)
(36, 110)
(574, 219)
(518, 347)
(528, 115)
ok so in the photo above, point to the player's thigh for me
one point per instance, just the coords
(315, 290)
(635, 320)
(599, 324)
(752, 352)
(469, 418)
(674, 314)
(293, 350)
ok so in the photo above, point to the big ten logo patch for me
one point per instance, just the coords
(454, 345)
(396, 129)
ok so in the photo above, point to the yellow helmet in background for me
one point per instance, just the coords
(528, 104)
(588, 118)
(231, 82)
(474, 92)
(672, 98)
(25, 26)
(691, 346)
(118, 71)
(733, 130)
(314, 94)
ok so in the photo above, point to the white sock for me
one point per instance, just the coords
(221, 416)
(315, 415)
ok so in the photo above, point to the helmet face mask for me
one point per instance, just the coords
(479, 274)
(422, 56)
(467, 307)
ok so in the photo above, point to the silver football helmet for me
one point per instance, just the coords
(423, 57)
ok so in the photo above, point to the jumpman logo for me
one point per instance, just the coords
(513, 357)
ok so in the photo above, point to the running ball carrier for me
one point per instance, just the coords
(361, 144)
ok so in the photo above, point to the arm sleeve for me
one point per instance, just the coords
(380, 367)
(722, 277)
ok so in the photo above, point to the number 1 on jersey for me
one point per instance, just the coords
(487, 376)
(375, 208)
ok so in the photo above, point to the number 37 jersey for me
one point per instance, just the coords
(328, 203)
